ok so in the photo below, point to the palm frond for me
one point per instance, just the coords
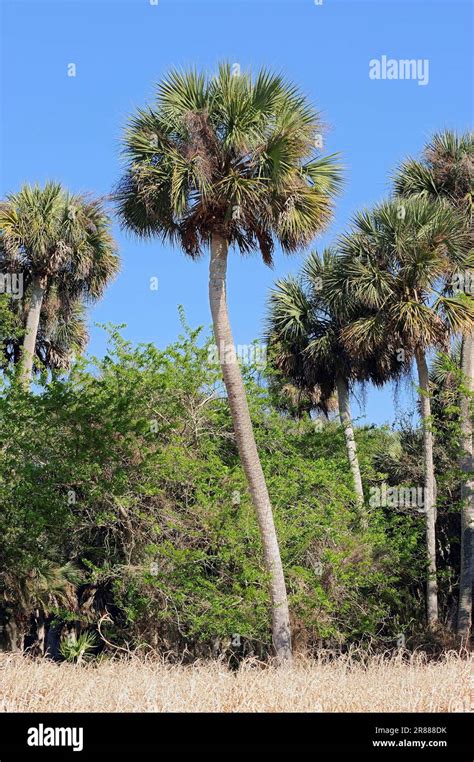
(228, 152)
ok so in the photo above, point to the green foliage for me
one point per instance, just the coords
(306, 322)
(228, 153)
(128, 470)
(78, 649)
(9, 323)
(400, 260)
(444, 170)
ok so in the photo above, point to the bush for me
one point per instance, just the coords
(127, 472)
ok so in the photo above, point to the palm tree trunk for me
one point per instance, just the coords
(430, 505)
(31, 332)
(467, 510)
(12, 636)
(247, 448)
(346, 421)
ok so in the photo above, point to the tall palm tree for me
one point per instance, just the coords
(397, 260)
(446, 171)
(220, 162)
(63, 245)
(306, 319)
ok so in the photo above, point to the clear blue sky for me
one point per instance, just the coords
(68, 128)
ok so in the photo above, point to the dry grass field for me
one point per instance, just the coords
(389, 684)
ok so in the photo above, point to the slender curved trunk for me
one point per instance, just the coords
(31, 332)
(346, 421)
(467, 492)
(430, 505)
(247, 448)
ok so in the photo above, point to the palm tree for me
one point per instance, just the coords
(63, 245)
(306, 319)
(33, 597)
(397, 260)
(228, 161)
(446, 171)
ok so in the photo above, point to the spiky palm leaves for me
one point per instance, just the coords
(62, 333)
(399, 261)
(64, 237)
(227, 154)
(444, 373)
(63, 246)
(229, 161)
(303, 335)
(296, 401)
(310, 318)
(44, 588)
(446, 171)
(307, 320)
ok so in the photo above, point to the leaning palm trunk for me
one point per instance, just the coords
(248, 449)
(31, 332)
(430, 506)
(346, 421)
(467, 510)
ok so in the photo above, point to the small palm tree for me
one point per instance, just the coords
(306, 321)
(446, 171)
(63, 245)
(77, 649)
(35, 595)
(397, 261)
(220, 162)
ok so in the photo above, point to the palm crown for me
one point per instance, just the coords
(227, 155)
(65, 238)
(444, 171)
(306, 324)
(63, 246)
(399, 260)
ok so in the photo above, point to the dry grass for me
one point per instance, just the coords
(342, 685)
